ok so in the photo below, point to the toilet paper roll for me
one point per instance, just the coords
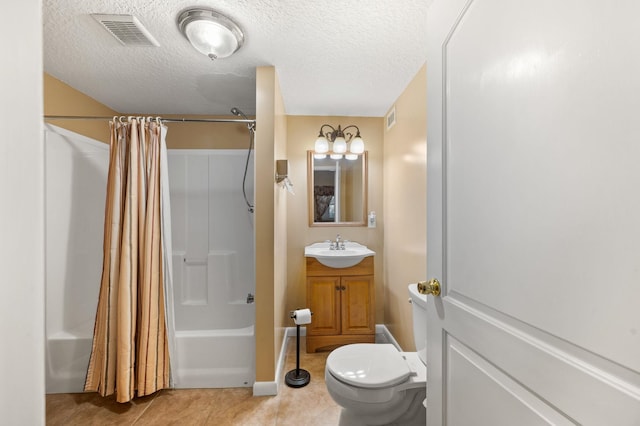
(302, 316)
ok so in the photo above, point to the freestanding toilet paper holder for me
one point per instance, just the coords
(297, 378)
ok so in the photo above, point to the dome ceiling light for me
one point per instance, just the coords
(210, 33)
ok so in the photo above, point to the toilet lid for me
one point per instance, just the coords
(368, 365)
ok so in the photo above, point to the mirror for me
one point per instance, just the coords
(337, 190)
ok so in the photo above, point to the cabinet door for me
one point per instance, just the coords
(323, 296)
(358, 305)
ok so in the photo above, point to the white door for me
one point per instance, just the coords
(534, 212)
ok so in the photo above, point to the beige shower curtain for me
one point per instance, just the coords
(130, 351)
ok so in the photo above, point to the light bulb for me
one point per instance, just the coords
(357, 145)
(340, 145)
(211, 38)
(321, 145)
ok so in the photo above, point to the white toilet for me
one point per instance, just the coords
(375, 384)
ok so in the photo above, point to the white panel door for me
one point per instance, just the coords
(534, 212)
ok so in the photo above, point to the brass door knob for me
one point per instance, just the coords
(431, 287)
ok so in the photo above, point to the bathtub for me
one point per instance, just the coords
(67, 357)
(232, 350)
(214, 339)
(223, 358)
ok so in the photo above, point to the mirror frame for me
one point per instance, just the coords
(310, 200)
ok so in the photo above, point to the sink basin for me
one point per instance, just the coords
(350, 256)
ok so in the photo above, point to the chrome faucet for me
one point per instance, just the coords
(338, 244)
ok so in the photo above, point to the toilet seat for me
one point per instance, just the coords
(368, 365)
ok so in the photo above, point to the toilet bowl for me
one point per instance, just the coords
(376, 384)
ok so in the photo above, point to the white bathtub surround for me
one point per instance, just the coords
(75, 188)
(215, 345)
(167, 261)
(214, 268)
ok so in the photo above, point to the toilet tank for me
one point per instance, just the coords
(419, 308)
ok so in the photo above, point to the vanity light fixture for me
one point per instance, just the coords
(339, 140)
(210, 32)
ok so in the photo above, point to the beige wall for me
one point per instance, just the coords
(62, 99)
(206, 135)
(270, 219)
(302, 132)
(405, 202)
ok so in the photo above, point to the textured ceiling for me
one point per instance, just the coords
(333, 57)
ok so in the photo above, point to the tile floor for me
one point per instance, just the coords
(310, 405)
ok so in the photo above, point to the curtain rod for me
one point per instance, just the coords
(166, 120)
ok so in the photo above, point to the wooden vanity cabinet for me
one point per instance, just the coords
(343, 305)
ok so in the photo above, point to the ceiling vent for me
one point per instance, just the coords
(127, 29)
(391, 118)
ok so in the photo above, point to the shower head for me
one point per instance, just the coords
(251, 125)
(236, 111)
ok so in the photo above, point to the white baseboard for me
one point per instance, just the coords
(271, 388)
(265, 388)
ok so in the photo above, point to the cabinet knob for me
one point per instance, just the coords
(338, 287)
(343, 288)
